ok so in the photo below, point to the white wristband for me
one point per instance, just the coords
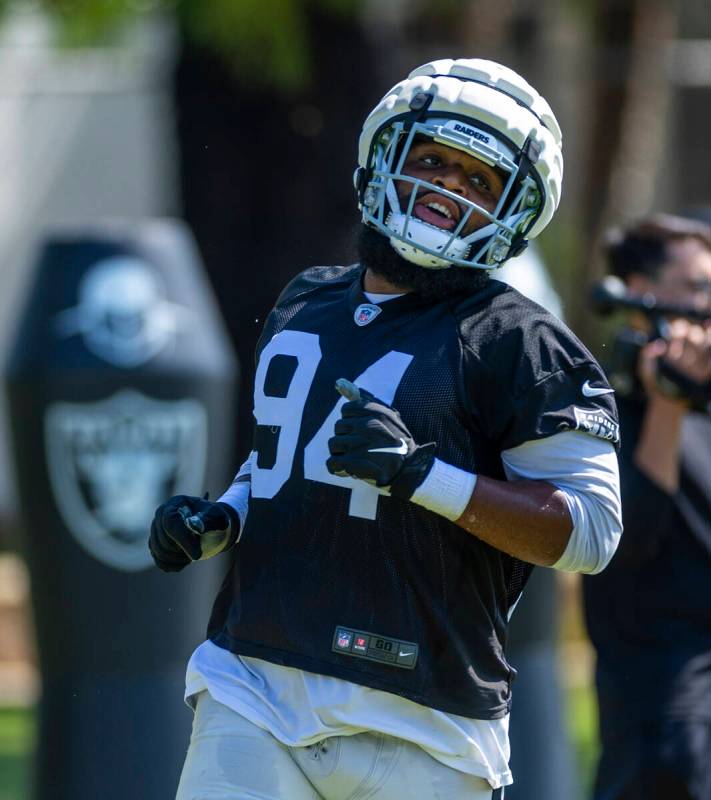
(446, 490)
(237, 496)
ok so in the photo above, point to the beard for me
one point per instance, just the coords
(376, 253)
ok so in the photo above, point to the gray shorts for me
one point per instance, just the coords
(229, 758)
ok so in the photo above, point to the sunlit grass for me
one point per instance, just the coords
(581, 711)
(17, 735)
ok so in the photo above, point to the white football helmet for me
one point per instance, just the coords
(489, 112)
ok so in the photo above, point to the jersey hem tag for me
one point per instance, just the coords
(373, 647)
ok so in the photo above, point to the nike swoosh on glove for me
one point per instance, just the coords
(372, 443)
(187, 528)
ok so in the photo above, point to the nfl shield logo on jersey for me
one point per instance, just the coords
(111, 463)
(365, 313)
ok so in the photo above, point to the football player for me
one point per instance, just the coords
(424, 435)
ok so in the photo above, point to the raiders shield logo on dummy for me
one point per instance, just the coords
(110, 463)
(122, 312)
(120, 378)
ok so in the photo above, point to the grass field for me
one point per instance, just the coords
(17, 731)
(582, 726)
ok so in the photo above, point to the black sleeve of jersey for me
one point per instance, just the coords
(563, 402)
(528, 376)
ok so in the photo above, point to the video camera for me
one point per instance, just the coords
(610, 295)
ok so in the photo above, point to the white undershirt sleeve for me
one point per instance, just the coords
(585, 469)
(237, 495)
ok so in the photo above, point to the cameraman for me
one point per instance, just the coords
(649, 613)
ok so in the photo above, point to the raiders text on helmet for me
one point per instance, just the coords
(489, 112)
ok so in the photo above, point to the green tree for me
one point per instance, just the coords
(269, 40)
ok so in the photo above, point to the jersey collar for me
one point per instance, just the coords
(408, 301)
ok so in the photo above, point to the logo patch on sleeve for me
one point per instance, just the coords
(597, 422)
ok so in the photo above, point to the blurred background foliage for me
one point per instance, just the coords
(613, 69)
(267, 40)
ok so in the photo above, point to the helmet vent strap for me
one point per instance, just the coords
(529, 155)
(419, 105)
(533, 150)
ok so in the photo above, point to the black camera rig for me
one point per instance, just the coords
(610, 295)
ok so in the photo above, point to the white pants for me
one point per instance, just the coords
(229, 758)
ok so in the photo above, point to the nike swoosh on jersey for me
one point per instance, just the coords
(400, 451)
(595, 391)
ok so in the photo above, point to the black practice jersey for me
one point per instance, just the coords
(335, 577)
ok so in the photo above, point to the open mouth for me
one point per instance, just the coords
(441, 212)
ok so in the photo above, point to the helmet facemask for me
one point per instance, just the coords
(428, 245)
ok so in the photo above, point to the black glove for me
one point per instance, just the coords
(373, 443)
(186, 528)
